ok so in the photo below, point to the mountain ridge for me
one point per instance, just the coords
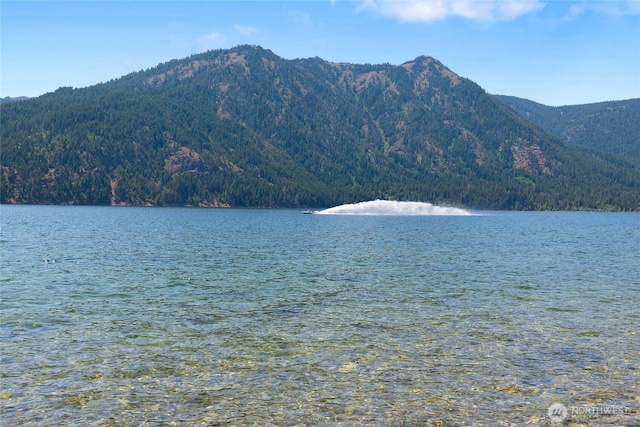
(610, 126)
(244, 127)
(13, 99)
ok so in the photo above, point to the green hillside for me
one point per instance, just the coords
(244, 127)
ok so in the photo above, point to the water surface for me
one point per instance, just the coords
(163, 316)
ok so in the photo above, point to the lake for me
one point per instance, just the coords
(187, 316)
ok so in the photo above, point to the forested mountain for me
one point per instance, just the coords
(612, 126)
(9, 99)
(244, 127)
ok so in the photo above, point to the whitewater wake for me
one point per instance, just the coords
(390, 207)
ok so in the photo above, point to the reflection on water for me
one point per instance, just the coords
(208, 317)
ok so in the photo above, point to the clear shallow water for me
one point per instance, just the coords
(159, 316)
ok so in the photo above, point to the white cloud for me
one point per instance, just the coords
(610, 8)
(211, 41)
(245, 30)
(508, 10)
(633, 7)
(628, 7)
(575, 11)
(432, 10)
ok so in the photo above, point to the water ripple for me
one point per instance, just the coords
(263, 317)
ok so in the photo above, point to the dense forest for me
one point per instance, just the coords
(244, 127)
(613, 126)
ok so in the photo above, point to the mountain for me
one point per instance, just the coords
(244, 127)
(9, 99)
(612, 127)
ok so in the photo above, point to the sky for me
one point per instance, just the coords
(553, 52)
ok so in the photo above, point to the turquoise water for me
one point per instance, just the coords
(163, 316)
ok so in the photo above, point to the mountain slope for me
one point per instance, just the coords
(244, 127)
(9, 99)
(613, 127)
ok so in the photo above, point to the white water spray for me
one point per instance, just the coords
(390, 207)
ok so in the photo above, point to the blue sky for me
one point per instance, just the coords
(553, 52)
